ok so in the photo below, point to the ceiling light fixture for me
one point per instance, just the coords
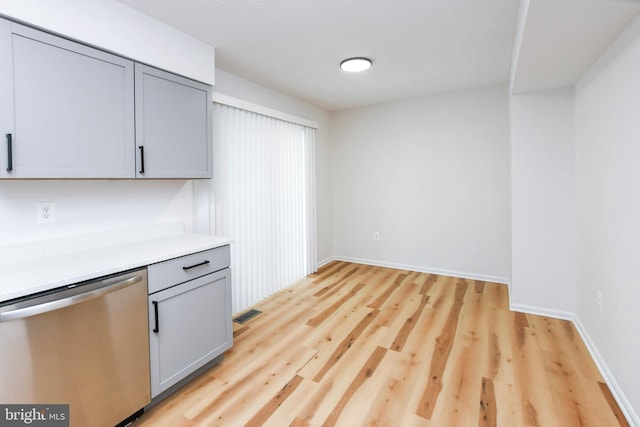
(354, 65)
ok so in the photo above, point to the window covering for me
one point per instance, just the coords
(264, 188)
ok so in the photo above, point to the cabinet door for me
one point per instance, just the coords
(173, 126)
(6, 98)
(73, 109)
(193, 327)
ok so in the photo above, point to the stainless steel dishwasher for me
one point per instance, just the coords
(86, 345)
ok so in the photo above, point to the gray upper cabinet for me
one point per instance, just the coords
(173, 125)
(67, 109)
(6, 100)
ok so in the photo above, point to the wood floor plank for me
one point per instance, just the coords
(385, 296)
(304, 403)
(557, 335)
(458, 402)
(336, 283)
(408, 326)
(328, 270)
(442, 293)
(535, 406)
(521, 320)
(273, 343)
(270, 407)
(367, 370)
(499, 358)
(463, 373)
(339, 379)
(428, 284)
(506, 399)
(344, 346)
(339, 338)
(321, 317)
(488, 404)
(388, 407)
(472, 325)
(362, 345)
(335, 298)
(615, 409)
(570, 401)
(496, 296)
(560, 339)
(299, 423)
(235, 406)
(413, 362)
(440, 356)
(172, 410)
(370, 393)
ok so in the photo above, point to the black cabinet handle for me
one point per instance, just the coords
(195, 265)
(155, 310)
(141, 148)
(9, 153)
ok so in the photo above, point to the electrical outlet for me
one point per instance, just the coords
(599, 296)
(376, 235)
(45, 212)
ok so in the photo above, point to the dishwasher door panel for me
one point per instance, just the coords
(92, 355)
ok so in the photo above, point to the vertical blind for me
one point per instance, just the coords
(264, 188)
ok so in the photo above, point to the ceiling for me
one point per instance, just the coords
(418, 47)
(562, 38)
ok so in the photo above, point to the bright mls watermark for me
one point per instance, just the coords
(34, 415)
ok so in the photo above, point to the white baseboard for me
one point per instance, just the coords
(623, 402)
(540, 311)
(325, 262)
(422, 269)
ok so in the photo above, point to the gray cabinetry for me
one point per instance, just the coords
(6, 99)
(67, 108)
(189, 318)
(173, 125)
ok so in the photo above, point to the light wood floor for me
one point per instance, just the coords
(359, 345)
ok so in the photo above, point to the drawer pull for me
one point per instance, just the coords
(9, 153)
(155, 310)
(189, 267)
(141, 148)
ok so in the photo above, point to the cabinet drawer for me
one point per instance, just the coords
(178, 270)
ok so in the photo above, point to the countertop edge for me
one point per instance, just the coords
(24, 278)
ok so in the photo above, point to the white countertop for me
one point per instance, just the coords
(26, 276)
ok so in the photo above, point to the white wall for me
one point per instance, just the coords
(431, 175)
(608, 211)
(542, 203)
(231, 85)
(114, 26)
(84, 206)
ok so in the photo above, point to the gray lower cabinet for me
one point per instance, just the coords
(173, 125)
(190, 323)
(67, 109)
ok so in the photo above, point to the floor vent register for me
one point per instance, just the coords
(247, 316)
